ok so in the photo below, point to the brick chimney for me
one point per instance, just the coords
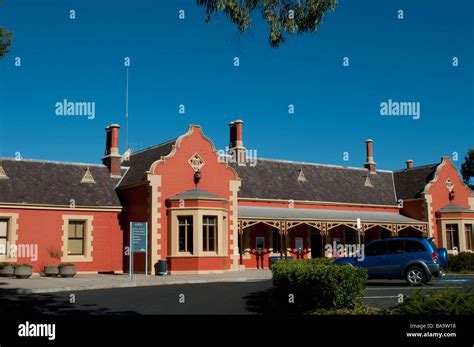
(370, 163)
(409, 163)
(236, 145)
(112, 157)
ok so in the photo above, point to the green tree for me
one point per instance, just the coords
(5, 40)
(283, 16)
(467, 168)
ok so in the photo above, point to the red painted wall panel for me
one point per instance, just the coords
(44, 228)
(440, 193)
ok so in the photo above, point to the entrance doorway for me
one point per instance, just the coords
(316, 244)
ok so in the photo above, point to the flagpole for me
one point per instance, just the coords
(126, 112)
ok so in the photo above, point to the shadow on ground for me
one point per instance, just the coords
(19, 306)
(268, 302)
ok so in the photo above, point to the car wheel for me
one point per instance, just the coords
(415, 276)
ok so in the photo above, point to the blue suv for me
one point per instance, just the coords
(414, 259)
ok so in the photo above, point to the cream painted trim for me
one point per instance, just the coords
(428, 212)
(234, 187)
(198, 214)
(198, 199)
(308, 202)
(60, 207)
(154, 216)
(88, 242)
(436, 175)
(196, 208)
(177, 144)
(460, 222)
(331, 220)
(471, 202)
(12, 235)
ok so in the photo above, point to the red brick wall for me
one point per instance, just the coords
(440, 195)
(177, 176)
(199, 263)
(414, 209)
(44, 228)
(135, 202)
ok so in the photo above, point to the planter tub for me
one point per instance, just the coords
(67, 270)
(7, 271)
(51, 270)
(23, 271)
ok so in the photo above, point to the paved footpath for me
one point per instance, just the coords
(39, 284)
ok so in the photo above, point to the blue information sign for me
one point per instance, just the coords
(139, 237)
(138, 243)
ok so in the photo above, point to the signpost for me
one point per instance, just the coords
(138, 243)
(359, 227)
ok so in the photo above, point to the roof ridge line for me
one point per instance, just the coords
(319, 164)
(152, 147)
(52, 162)
(416, 167)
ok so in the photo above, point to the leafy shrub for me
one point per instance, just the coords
(447, 302)
(462, 262)
(356, 310)
(319, 261)
(315, 285)
(4, 265)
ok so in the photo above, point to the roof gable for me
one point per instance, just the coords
(410, 183)
(139, 162)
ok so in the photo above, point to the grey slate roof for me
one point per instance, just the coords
(453, 208)
(410, 183)
(276, 179)
(316, 214)
(141, 161)
(56, 183)
(196, 193)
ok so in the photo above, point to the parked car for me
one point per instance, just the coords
(414, 259)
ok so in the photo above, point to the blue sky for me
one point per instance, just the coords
(189, 62)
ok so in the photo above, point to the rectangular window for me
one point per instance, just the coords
(209, 233)
(76, 236)
(469, 236)
(276, 240)
(452, 236)
(3, 236)
(185, 225)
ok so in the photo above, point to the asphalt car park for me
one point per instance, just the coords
(384, 293)
(251, 297)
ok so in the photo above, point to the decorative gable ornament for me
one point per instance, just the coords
(196, 162)
(449, 185)
(368, 182)
(301, 177)
(88, 178)
(2, 173)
